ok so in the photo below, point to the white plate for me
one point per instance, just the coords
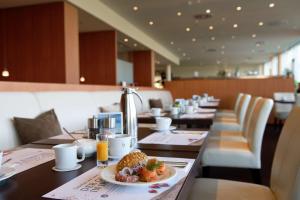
(170, 129)
(78, 166)
(108, 175)
(6, 172)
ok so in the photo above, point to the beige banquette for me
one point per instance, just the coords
(73, 104)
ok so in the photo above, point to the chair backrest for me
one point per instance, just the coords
(298, 100)
(242, 109)
(250, 109)
(285, 176)
(257, 124)
(237, 102)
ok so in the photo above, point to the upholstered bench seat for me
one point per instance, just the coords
(228, 135)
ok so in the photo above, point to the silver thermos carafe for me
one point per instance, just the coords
(129, 113)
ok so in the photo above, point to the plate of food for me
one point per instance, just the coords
(136, 169)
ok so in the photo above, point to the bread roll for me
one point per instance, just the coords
(131, 160)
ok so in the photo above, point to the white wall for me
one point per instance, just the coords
(124, 71)
(209, 71)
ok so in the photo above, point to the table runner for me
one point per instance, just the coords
(24, 159)
(175, 138)
(89, 186)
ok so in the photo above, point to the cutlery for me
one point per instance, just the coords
(6, 161)
(175, 162)
(71, 135)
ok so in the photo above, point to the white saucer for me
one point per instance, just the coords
(115, 157)
(6, 172)
(170, 129)
(78, 166)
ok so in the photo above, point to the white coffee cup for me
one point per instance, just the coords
(195, 105)
(66, 156)
(189, 109)
(174, 111)
(155, 111)
(163, 123)
(1, 157)
(119, 145)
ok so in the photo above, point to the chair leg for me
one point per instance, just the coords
(256, 174)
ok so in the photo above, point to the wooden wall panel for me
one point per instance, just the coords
(143, 68)
(228, 89)
(71, 44)
(98, 57)
(35, 42)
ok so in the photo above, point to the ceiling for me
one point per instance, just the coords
(224, 45)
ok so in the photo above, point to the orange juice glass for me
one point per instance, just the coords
(102, 150)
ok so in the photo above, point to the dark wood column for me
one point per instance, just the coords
(40, 43)
(98, 57)
(143, 68)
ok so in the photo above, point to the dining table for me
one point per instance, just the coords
(37, 181)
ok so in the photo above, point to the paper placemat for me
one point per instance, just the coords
(213, 104)
(206, 110)
(198, 116)
(27, 158)
(148, 114)
(90, 186)
(176, 138)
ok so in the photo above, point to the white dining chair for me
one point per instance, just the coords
(241, 154)
(282, 110)
(285, 175)
(233, 123)
(237, 135)
(233, 112)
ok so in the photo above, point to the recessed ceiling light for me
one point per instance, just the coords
(82, 79)
(187, 29)
(222, 52)
(257, 44)
(213, 38)
(218, 62)
(271, 5)
(211, 28)
(125, 39)
(238, 8)
(223, 46)
(260, 23)
(223, 19)
(184, 54)
(254, 35)
(233, 37)
(190, 3)
(135, 44)
(208, 11)
(179, 13)
(194, 39)
(135, 8)
(172, 43)
(151, 23)
(235, 25)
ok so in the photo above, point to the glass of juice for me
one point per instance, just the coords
(102, 150)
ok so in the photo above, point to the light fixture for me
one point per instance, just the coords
(187, 29)
(179, 13)
(82, 79)
(253, 35)
(194, 39)
(135, 44)
(208, 11)
(125, 39)
(223, 19)
(172, 43)
(190, 3)
(135, 8)
(5, 73)
(211, 28)
(238, 8)
(271, 5)
(257, 44)
(260, 23)
(183, 54)
(235, 25)
(222, 52)
(151, 22)
(223, 46)
(233, 37)
(218, 62)
(213, 38)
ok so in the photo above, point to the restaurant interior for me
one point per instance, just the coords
(152, 99)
